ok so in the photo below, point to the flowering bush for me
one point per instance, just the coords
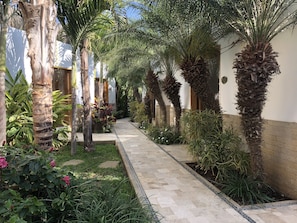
(3, 162)
(31, 187)
(53, 163)
(164, 135)
(66, 179)
(102, 116)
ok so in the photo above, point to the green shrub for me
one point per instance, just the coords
(215, 150)
(164, 135)
(31, 184)
(220, 154)
(33, 189)
(19, 113)
(245, 189)
(137, 114)
(200, 125)
(109, 204)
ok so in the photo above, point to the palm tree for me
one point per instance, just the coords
(80, 19)
(40, 27)
(186, 27)
(257, 23)
(3, 32)
(171, 87)
(152, 83)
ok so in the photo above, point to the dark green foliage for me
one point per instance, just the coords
(33, 189)
(19, 110)
(19, 113)
(245, 189)
(109, 204)
(164, 135)
(122, 101)
(30, 186)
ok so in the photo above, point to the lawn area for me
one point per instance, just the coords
(55, 187)
(89, 168)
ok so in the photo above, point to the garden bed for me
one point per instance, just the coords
(209, 179)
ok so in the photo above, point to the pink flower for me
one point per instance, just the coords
(3, 162)
(53, 163)
(66, 179)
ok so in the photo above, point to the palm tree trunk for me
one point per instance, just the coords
(171, 88)
(137, 95)
(154, 87)
(40, 29)
(85, 83)
(73, 105)
(254, 69)
(196, 74)
(3, 32)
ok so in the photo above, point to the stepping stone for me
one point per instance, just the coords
(109, 164)
(72, 162)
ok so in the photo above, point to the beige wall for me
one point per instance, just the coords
(279, 150)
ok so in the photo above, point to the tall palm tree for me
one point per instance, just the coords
(3, 32)
(186, 27)
(171, 87)
(257, 22)
(41, 30)
(153, 85)
(80, 19)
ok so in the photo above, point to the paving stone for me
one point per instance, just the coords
(72, 162)
(109, 164)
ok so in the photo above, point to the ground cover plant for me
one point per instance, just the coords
(36, 187)
(221, 159)
(164, 135)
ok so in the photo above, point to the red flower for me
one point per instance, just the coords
(3, 162)
(66, 179)
(53, 163)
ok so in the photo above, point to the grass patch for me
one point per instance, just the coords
(89, 168)
(115, 200)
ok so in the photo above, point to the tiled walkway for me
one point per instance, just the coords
(173, 191)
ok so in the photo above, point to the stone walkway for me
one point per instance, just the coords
(174, 192)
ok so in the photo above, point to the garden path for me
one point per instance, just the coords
(161, 180)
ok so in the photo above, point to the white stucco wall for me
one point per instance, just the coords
(185, 91)
(17, 59)
(16, 53)
(112, 89)
(282, 91)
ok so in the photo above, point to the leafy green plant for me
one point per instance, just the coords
(102, 117)
(15, 208)
(221, 154)
(245, 189)
(200, 124)
(110, 204)
(110, 197)
(31, 185)
(164, 135)
(61, 107)
(19, 113)
(138, 114)
(215, 150)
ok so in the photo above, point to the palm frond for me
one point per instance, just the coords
(260, 21)
(79, 18)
